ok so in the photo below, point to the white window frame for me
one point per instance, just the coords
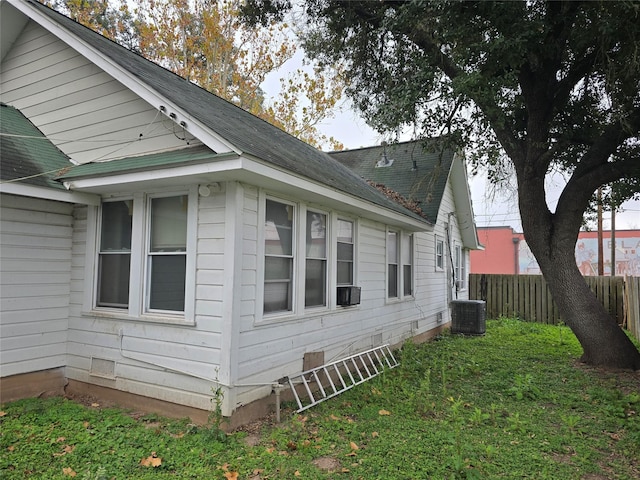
(328, 237)
(297, 272)
(353, 249)
(401, 255)
(299, 261)
(439, 256)
(460, 265)
(395, 262)
(138, 267)
(407, 250)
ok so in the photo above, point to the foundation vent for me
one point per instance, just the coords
(103, 368)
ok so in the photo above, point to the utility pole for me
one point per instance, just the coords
(600, 249)
(613, 241)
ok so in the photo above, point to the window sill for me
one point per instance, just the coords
(146, 318)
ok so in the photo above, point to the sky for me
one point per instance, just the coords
(491, 208)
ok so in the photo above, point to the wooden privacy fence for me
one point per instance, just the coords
(528, 298)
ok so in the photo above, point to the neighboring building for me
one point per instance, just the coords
(506, 252)
(158, 241)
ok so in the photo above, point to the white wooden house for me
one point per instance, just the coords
(158, 241)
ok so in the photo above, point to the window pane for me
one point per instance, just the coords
(407, 249)
(408, 279)
(345, 273)
(316, 235)
(392, 247)
(277, 268)
(316, 283)
(169, 224)
(393, 281)
(345, 251)
(278, 228)
(345, 231)
(116, 226)
(113, 280)
(168, 273)
(277, 297)
(277, 284)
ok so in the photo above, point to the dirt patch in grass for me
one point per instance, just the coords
(328, 464)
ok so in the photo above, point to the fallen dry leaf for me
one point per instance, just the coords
(68, 472)
(333, 417)
(151, 461)
(384, 412)
(95, 405)
(297, 473)
(231, 475)
(375, 434)
(354, 446)
(85, 424)
(11, 448)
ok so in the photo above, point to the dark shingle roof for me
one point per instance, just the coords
(419, 170)
(25, 153)
(245, 131)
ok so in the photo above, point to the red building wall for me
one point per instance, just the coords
(506, 252)
(500, 254)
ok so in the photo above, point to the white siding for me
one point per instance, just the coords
(85, 112)
(268, 351)
(175, 363)
(35, 254)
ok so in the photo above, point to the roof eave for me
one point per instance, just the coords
(249, 171)
(464, 207)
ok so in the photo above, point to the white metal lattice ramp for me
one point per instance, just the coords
(331, 379)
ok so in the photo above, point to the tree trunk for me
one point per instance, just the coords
(603, 342)
(552, 241)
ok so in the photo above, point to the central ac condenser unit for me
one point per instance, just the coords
(468, 317)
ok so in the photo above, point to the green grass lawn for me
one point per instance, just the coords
(512, 404)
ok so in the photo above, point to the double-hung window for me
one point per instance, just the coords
(279, 248)
(345, 252)
(460, 267)
(439, 254)
(392, 264)
(400, 264)
(315, 293)
(143, 263)
(114, 254)
(167, 253)
(407, 265)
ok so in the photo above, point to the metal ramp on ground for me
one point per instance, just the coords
(331, 379)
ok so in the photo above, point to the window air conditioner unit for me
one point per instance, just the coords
(348, 296)
(468, 317)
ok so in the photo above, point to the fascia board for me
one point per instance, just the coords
(154, 175)
(21, 189)
(464, 207)
(254, 172)
(194, 127)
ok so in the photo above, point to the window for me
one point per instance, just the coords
(145, 265)
(345, 249)
(315, 292)
(279, 257)
(392, 264)
(167, 253)
(439, 254)
(114, 255)
(407, 265)
(460, 268)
